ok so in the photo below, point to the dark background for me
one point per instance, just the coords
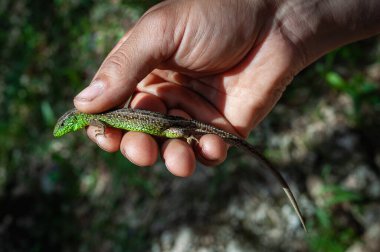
(67, 195)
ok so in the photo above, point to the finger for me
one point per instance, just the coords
(141, 149)
(180, 113)
(211, 150)
(150, 79)
(109, 142)
(178, 154)
(147, 101)
(171, 76)
(179, 157)
(150, 42)
(177, 96)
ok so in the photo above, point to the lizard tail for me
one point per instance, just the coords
(240, 143)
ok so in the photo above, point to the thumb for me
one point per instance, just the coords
(149, 43)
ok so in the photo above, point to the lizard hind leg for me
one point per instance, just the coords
(174, 132)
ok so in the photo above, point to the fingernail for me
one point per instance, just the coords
(91, 92)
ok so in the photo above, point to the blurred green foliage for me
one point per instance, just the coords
(328, 232)
(66, 194)
(49, 195)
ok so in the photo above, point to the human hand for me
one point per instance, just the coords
(222, 62)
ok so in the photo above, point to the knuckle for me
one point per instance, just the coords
(161, 24)
(156, 15)
(116, 65)
(153, 20)
(261, 102)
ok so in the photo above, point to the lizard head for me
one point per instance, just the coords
(72, 120)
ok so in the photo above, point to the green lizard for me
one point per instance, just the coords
(161, 125)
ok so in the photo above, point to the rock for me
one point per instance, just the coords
(370, 241)
(183, 241)
(363, 180)
(373, 71)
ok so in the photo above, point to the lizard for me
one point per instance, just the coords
(167, 126)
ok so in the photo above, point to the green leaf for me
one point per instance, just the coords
(336, 81)
(340, 195)
(47, 113)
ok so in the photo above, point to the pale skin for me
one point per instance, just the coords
(222, 62)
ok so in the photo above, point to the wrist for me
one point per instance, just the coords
(317, 27)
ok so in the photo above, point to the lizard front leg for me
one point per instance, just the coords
(100, 127)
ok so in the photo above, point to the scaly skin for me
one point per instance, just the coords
(161, 125)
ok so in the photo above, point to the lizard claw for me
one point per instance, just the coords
(100, 132)
(192, 138)
(100, 127)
